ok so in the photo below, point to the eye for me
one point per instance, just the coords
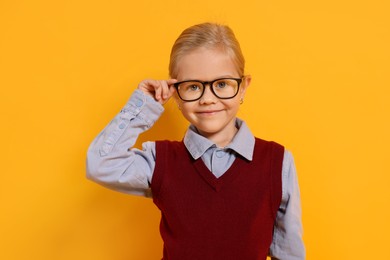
(221, 84)
(193, 87)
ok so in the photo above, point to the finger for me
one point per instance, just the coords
(148, 85)
(171, 81)
(157, 90)
(165, 89)
(160, 90)
(171, 88)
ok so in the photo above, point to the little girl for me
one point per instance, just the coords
(223, 194)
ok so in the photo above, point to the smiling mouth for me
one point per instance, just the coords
(208, 112)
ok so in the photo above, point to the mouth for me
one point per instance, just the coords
(208, 112)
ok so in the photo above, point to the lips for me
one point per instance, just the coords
(208, 112)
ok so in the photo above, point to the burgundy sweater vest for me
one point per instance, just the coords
(209, 218)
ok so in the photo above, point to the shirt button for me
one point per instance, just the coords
(139, 103)
(121, 126)
(219, 153)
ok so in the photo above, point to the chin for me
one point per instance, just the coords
(208, 130)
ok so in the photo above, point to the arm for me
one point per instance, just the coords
(111, 160)
(111, 163)
(287, 242)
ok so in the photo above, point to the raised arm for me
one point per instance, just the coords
(111, 160)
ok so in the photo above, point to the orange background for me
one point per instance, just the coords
(320, 86)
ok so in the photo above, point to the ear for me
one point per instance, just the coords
(246, 81)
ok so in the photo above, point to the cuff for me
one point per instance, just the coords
(143, 106)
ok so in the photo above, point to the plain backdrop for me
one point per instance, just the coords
(320, 86)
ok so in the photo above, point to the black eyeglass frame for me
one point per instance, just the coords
(210, 83)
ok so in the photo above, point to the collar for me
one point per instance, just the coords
(243, 142)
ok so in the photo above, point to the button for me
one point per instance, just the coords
(139, 103)
(220, 153)
(122, 125)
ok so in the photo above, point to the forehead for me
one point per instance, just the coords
(206, 64)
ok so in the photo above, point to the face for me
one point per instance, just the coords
(214, 118)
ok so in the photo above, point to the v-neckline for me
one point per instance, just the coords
(209, 177)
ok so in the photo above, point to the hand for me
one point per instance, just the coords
(160, 90)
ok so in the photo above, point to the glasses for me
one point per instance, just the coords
(192, 90)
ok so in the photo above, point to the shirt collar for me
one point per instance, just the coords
(243, 142)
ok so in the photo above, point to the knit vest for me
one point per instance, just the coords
(208, 218)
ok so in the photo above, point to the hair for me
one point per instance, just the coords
(207, 35)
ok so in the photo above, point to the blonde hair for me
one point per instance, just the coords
(208, 35)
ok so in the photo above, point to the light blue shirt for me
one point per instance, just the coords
(112, 162)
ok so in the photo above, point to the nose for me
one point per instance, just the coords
(208, 96)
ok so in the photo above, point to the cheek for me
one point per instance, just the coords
(233, 104)
(186, 107)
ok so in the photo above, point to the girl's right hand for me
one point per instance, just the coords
(160, 90)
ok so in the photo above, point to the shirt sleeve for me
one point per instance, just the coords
(111, 160)
(287, 241)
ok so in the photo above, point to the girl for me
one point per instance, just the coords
(223, 194)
